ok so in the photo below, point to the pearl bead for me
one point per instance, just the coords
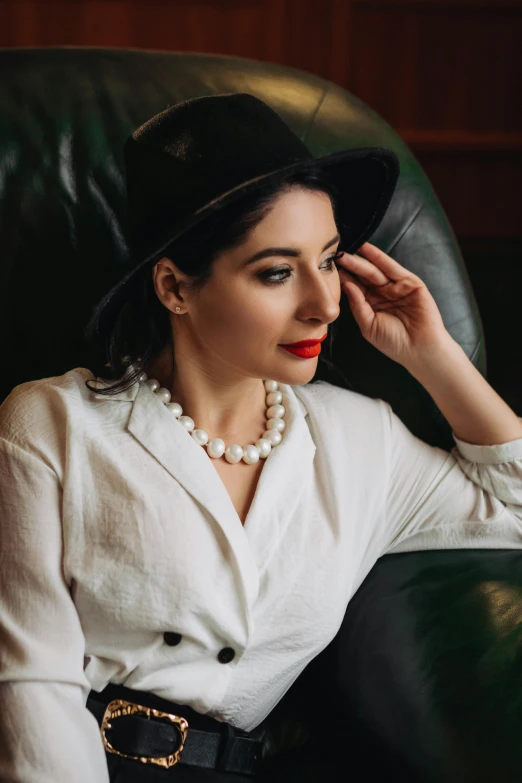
(264, 447)
(273, 436)
(216, 447)
(163, 394)
(274, 398)
(187, 422)
(250, 454)
(233, 453)
(152, 383)
(200, 436)
(175, 408)
(276, 424)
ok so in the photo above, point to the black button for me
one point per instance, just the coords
(226, 654)
(172, 638)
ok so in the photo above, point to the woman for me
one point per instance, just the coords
(184, 524)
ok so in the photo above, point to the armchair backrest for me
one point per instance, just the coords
(66, 114)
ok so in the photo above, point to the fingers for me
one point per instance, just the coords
(365, 295)
(366, 269)
(389, 267)
(346, 277)
(361, 309)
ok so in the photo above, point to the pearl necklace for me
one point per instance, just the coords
(250, 454)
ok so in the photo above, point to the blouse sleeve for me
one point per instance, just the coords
(470, 497)
(46, 732)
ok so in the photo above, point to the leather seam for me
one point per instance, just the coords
(316, 112)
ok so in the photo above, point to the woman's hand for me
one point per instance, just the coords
(393, 308)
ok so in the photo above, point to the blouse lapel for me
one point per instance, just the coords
(285, 478)
(282, 481)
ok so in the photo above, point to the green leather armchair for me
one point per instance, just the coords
(422, 681)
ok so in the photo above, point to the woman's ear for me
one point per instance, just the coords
(169, 281)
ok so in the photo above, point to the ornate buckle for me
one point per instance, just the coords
(117, 708)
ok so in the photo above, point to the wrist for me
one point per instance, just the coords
(435, 359)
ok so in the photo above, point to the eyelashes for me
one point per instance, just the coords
(270, 273)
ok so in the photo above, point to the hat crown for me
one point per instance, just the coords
(197, 156)
(193, 152)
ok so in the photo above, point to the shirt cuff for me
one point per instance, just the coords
(490, 455)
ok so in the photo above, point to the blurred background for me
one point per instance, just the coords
(445, 74)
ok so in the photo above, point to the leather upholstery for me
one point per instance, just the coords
(66, 113)
(424, 676)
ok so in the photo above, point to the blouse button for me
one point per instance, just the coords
(226, 654)
(171, 638)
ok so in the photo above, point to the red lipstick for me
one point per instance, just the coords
(306, 349)
(304, 343)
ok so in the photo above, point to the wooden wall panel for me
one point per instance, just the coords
(293, 32)
(482, 194)
(445, 74)
(445, 69)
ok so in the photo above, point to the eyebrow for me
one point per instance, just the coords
(285, 251)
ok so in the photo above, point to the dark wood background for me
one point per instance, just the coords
(445, 74)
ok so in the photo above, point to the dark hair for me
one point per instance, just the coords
(140, 327)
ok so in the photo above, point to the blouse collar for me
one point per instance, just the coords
(286, 475)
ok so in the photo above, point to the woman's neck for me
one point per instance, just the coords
(235, 413)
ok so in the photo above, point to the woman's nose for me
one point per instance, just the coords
(322, 300)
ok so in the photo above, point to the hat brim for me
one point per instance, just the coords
(365, 179)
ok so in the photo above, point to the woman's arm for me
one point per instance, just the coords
(470, 497)
(46, 733)
(470, 405)
(398, 315)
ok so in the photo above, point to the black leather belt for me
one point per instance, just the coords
(142, 726)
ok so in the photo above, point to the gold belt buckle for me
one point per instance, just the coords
(117, 708)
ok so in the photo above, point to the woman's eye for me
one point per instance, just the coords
(269, 275)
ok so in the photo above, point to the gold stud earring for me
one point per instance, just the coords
(178, 309)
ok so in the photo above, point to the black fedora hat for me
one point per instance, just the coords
(197, 156)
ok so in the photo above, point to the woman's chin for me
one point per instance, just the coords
(296, 371)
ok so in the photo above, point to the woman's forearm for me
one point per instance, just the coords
(473, 409)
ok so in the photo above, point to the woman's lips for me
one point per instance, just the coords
(308, 352)
(307, 349)
(306, 343)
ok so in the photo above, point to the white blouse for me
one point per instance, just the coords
(116, 528)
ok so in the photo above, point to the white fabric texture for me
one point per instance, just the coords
(115, 528)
